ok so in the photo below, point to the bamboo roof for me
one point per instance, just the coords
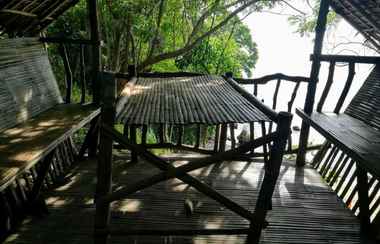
(363, 15)
(29, 17)
(203, 99)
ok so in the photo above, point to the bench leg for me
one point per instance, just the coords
(37, 204)
(364, 214)
(6, 216)
(272, 171)
(91, 140)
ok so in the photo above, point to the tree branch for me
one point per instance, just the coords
(190, 45)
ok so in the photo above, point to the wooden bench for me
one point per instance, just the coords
(356, 134)
(34, 120)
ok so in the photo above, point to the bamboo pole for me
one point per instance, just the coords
(104, 170)
(314, 76)
(272, 171)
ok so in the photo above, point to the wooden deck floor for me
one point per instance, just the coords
(304, 209)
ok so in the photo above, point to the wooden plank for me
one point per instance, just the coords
(161, 206)
(351, 135)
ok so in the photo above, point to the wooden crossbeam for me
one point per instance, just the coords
(181, 172)
(18, 12)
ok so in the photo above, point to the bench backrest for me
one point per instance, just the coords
(365, 106)
(27, 83)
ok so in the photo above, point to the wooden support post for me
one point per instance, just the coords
(144, 132)
(252, 134)
(347, 86)
(90, 141)
(265, 146)
(272, 171)
(68, 73)
(82, 75)
(327, 88)
(180, 135)
(314, 76)
(96, 52)
(363, 191)
(161, 133)
(94, 139)
(104, 170)
(223, 138)
(133, 136)
(232, 135)
(198, 136)
(217, 135)
(126, 131)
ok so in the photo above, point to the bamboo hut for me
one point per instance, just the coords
(116, 188)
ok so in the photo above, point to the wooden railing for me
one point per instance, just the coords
(341, 171)
(272, 100)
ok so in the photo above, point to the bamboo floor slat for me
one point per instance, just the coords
(305, 210)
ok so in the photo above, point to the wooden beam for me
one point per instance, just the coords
(346, 59)
(18, 12)
(173, 232)
(265, 79)
(178, 171)
(104, 170)
(253, 100)
(63, 40)
(314, 76)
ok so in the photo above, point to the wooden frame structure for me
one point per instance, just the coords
(105, 195)
(351, 134)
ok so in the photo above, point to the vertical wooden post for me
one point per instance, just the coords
(132, 134)
(82, 75)
(363, 190)
(272, 171)
(144, 132)
(252, 134)
(68, 73)
(223, 138)
(216, 141)
(132, 71)
(96, 52)
(161, 133)
(314, 75)
(232, 135)
(198, 136)
(104, 170)
(180, 135)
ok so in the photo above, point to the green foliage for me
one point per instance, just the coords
(167, 35)
(305, 23)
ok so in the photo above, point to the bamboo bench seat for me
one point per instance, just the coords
(22, 146)
(36, 126)
(352, 135)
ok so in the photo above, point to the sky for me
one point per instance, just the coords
(282, 50)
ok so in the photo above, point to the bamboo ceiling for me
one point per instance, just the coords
(29, 17)
(204, 99)
(364, 15)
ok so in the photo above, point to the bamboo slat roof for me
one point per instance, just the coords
(363, 15)
(21, 17)
(204, 99)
